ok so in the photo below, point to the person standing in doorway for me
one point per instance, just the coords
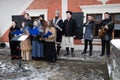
(88, 36)
(58, 23)
(69, 32)
(28, 20)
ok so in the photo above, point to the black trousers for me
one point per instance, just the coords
(86, 45)
(105, 46)
(13, 46)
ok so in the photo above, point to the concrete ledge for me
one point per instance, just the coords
(84, 58)
(81, 47)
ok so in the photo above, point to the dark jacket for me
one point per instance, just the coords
(13, 44)
(29, 23)
(11, 35)
(108, 34)
(89, 31)
(69, 27)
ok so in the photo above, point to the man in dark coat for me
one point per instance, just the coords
(28, 21)
(69, 32)
(88, 36)
(108, 24)
(58, 23)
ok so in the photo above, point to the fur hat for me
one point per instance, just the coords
(69, 12)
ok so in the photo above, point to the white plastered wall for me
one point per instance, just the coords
(9, 8)
(37, 12)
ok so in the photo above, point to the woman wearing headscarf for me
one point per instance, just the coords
(37, 45)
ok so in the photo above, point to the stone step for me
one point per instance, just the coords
(81, 47)
(79, 57)
(84, 58)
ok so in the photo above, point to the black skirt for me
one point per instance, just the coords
(15, 49)
(50, 51)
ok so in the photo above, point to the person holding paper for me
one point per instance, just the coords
(13, 44)
(49, 44)
(37, 46)
(26, 44)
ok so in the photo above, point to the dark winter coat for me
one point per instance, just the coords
(69, 27)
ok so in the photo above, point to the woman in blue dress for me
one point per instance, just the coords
(37, 45)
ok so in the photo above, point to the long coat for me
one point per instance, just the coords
(89, 31)
(13, 44)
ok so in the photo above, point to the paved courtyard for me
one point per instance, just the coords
(80, 67)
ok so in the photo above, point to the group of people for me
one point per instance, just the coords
(40, 43)
(45, 37)
(44, 41)
(107, 27)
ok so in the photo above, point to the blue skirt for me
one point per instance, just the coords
(37, 49)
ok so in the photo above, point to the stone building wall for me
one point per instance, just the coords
(114, 61)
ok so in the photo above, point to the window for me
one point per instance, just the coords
(116, 18)
(97, 17)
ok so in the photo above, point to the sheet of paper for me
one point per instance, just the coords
(23, 37)
(16, 38)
